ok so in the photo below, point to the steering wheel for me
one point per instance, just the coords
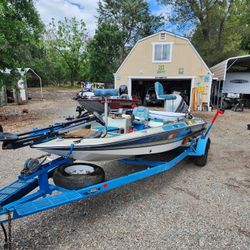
(98, 118)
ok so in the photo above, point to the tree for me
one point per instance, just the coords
(245, 23)
(218, 29)
(120, 25)
(103, 53)
(132, 19)
(20, 28)
(66, 46)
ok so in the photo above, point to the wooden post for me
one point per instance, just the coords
(194, 99)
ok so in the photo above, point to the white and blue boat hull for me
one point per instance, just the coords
(148, 141)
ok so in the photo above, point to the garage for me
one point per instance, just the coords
(171, 60)
(140, 87)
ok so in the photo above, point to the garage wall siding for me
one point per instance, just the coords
(139, 63)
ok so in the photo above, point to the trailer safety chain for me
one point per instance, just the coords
(9, 243)
(7, 235)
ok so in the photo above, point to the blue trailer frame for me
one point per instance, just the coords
(16, 202)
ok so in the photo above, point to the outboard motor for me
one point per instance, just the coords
(178, 105)
(181, 105)
(123, 89)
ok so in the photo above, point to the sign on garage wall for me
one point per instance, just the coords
(206, 78)
(161, 69)
(201, 89)
(181, 71)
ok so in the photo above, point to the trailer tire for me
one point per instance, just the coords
(78, 175)
(201, 161)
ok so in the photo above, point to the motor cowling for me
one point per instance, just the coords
(123, 89)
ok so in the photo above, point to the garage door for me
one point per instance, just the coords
(141, 86)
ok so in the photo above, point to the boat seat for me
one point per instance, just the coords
(141, 115)
(159, 90)
(106, 92)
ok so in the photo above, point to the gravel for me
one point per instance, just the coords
(185, 208)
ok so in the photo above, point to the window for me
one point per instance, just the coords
(162, 36)
(162, 52)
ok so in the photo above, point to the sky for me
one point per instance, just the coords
(86, 10)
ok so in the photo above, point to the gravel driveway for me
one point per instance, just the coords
(185, 208)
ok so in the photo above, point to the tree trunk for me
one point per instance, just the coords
(122, 54)
(221, 28)
(72, 78)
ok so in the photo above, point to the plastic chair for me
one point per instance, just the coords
(159, 90)
(141, 115)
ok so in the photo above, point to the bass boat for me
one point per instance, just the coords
(118, 136)
(151, 138)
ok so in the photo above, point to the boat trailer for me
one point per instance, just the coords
(17, 200)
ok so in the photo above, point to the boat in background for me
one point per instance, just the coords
(96, 104)
(118, 99)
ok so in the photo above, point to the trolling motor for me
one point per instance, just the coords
(14, 141)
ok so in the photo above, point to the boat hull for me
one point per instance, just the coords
(150, 141)
(114, 154)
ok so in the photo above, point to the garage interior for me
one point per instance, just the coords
(140, 87)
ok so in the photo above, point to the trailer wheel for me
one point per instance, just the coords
(201, 161)
(78, 175)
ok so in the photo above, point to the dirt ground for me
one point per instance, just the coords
(185, 208)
